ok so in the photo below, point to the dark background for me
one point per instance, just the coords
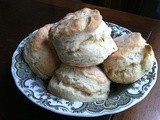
(148, 8)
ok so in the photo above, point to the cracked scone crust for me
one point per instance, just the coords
(82, 38)
(132, 60)
(79, 84)
(40, 54)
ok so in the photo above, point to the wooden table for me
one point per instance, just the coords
(20, 17)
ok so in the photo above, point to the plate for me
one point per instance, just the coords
(121, 97)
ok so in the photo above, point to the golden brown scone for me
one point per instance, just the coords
(40, 54)
(132, 60)
(86, 84)
(82, 38)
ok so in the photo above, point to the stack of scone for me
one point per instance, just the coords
(68, 52)
(82, 41)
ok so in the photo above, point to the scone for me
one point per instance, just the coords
(40, 55)
(132, 60)
(85, 84)
(82, 38)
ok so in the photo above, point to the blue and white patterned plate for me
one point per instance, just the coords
(120, 98)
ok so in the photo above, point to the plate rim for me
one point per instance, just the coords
(15, 77)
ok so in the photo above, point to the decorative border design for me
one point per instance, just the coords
(34, 88)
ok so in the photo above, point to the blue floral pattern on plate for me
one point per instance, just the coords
(121, 97)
